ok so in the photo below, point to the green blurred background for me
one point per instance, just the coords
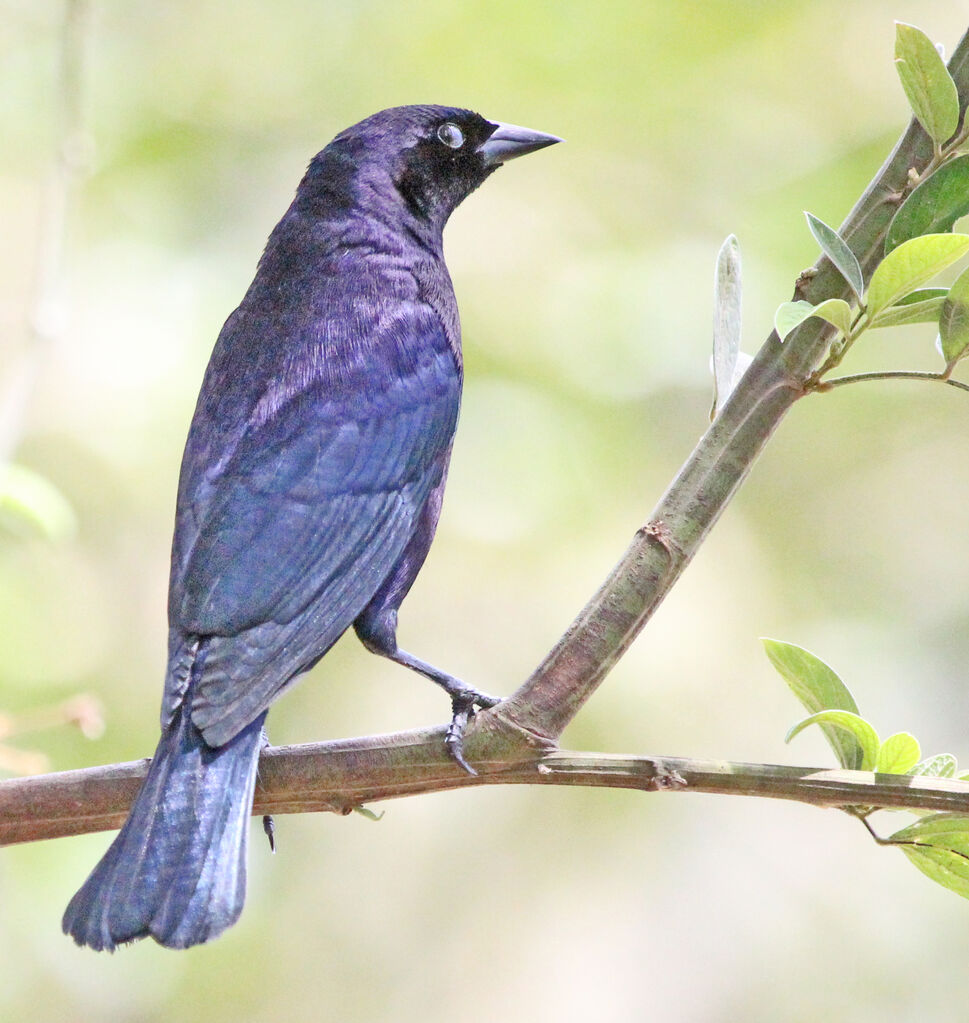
(584, 278)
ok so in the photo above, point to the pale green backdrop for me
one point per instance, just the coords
(584, 278)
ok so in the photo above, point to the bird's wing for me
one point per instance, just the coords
(280, 549)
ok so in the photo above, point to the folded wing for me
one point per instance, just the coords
(280, 549)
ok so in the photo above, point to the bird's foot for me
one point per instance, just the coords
(464, 699)
(463, 704)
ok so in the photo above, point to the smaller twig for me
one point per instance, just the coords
(893, 374)
(871, 831)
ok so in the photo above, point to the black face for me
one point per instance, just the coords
(445, 165)
(431, 153)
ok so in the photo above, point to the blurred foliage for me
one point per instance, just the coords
(584, 278)
(30, 504)
(83, 711)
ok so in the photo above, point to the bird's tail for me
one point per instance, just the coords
(177, 869)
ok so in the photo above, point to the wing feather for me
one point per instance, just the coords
(282, 545)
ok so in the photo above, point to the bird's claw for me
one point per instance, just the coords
(269, 826)
(463, 706)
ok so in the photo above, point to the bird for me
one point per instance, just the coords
(309, 493)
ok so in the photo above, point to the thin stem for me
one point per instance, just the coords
(890, 374)
(871, 831)
(838, 351)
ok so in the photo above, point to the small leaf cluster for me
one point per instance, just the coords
(895, 295)
(919, 242)
(937, 844)
(854, 740)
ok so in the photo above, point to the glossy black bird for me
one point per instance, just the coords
(309, 494)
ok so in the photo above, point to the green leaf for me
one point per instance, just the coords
(928, 85)
(31, 503)
(727, 293)
(836, 249)
(942, 765)
(903, 313)
(898, 754)
(946, 867)
(818, 687)
(837, 312)
(910, 265)
(922, 295)
(858, 727)
(954, 320)
(371, 815)
(934, 207)
(789, 315)
(939, 847)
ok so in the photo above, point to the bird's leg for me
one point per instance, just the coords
(464, 699)
(458, 691)
(377, 629)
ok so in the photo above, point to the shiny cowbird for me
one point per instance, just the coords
(309, 494)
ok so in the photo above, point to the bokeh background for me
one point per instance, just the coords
(584, 277)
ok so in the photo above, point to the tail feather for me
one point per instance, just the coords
(176, 872)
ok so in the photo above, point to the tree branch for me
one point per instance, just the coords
(343, 775)
(514, 742)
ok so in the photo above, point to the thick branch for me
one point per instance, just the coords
(339, 776)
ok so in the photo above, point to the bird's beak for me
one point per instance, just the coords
(508, 141)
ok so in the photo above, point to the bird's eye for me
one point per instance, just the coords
(451, 135)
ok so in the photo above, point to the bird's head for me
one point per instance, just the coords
(428, 157)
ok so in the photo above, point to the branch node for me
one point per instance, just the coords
(665, 779)
(506, 738)
(657, 530)
(804, 278)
